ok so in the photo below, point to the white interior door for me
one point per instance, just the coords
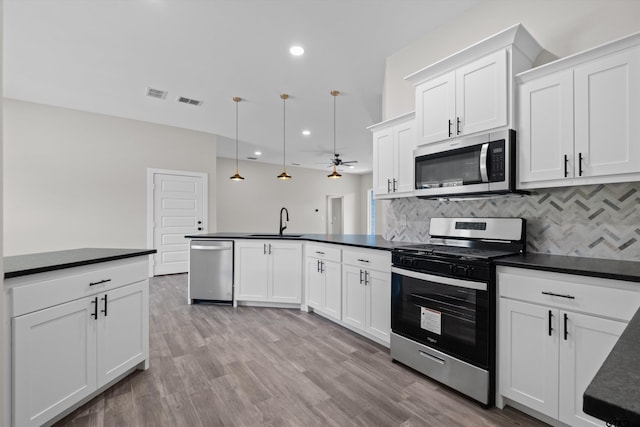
(334, 215)
(178, 207)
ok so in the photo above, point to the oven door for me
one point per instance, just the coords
(448, 314)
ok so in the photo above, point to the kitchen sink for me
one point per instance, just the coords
(271, 235)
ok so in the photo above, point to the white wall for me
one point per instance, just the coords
(253, 205)
(74, 179)
(562, 27)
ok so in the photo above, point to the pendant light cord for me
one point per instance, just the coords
(284, 134)
(334, 125)
(236, 136)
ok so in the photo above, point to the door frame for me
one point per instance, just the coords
(329, 209)
(151, 172)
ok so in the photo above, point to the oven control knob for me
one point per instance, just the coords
(414, 263)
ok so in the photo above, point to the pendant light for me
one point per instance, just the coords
(237, 176)
(334, 174)
(284, 174)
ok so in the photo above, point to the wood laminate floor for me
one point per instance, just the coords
(220, 366)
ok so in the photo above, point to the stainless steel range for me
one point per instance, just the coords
(443, 301)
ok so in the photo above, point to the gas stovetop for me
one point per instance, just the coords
(455, 252)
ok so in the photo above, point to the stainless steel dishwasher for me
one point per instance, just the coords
(211, 271)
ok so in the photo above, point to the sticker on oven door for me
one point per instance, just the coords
(431, 320)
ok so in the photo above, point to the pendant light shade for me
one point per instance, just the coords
(284, 174)
(236, 176)
(334, 174)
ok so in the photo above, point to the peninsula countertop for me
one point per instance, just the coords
(22, 265)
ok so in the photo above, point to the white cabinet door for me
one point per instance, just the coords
(383, 158)
(353, 297)
(546, 128)
(332, 289)
(435, 109)
(251, 270)
(587, 344)
(529, 355)
(285, 272)
(481, 94)
(607, 96)
(123, 330)
(405, 141)
(314, 283)
(54, 360)
(378, 303)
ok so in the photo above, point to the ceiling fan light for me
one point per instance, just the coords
(334, 174)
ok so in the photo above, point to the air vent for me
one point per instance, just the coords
(156, 93)
(295, 164)
(252, 158)
(189, 101)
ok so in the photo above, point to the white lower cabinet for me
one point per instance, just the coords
(54, 361)
(555, 331)
(268, 271)
(65, 352)
(366, 293)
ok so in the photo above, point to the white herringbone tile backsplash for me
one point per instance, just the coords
(600, 221)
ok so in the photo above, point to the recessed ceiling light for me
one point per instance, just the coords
(306, 132)
(258, 153)
(351, 166)
(296, 50)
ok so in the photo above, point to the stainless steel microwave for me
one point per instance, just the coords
(475, 166)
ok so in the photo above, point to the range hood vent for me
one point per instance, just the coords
(156, 93)
(189, 101)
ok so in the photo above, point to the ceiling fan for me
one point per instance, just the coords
(337, 161)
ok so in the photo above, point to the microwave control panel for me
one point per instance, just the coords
(496, 161)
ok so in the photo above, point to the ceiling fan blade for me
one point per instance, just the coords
(349, 161)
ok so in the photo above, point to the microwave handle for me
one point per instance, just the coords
(484, 175)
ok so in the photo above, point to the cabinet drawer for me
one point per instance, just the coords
(324, 252)
(372, 259)
(602, 297)
(52, 288)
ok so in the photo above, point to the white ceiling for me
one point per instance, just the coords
(101, 55)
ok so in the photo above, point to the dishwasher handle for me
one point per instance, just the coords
(211, 248)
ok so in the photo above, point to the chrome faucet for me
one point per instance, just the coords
(282, 228)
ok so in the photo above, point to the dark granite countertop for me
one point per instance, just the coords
(358, 240)
(22, 265)
(594, 267)
(614, 393)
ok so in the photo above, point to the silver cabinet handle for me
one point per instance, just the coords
(99, 282)
(320, 253)
(264, 248)
(363, 260)
(366, 278)
(361, 272)
(269, 248)
(388, 186)
(395, 187)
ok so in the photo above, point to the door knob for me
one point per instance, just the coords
(199, 222)
(199, 228)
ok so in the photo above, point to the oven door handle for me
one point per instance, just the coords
(484, 175)
(468, 284)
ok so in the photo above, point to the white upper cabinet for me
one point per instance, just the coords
(481, 94)
(472, 91)
(578, 118)
(393, 144)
